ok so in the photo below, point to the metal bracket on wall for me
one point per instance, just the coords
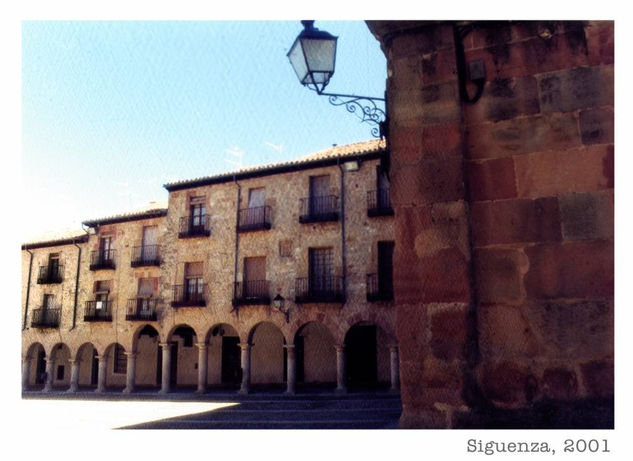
(476, 72)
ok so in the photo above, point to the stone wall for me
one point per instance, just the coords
(217, 253)
(504, 217)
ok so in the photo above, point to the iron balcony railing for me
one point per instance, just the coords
(46, 317)
(194, 226)
(146, 255)
(379, 203)
(102, 259)
(251, 292)
(98, 311)
(50, 274)
(319, 290)
(250, 219)
(189, 295)
(143, 309)
(319, 209)
(379, 289)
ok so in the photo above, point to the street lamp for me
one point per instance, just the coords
(279, 303)
(313, 56)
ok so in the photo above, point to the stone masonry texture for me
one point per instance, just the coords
(505, 304)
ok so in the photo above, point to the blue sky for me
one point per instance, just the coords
(113, 110)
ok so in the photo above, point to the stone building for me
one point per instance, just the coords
(274, 276)
(502, 161)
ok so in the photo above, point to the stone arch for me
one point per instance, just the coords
(184, 356)
(367, 355)
(223, 356)
(315, 355)
(268, 355)
(116, 366)
(36, 366)
(87, 358)
(60, 356)
(148, 369)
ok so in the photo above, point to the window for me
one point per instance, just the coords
(385, 267)
(120, 360)
(255, 277)
(198, 212)
(319, 192)
(60, 372)
(382, 195)
(144, 294)
(48, 301)
(320, 274)
(102, 291)
(193, 281)
(53, 264)
(256, 197)
(285, 248)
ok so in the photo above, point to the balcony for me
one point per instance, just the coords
(379, 290)
(194, 226)
(252, 219)
(319, 290)
(185, 296)
(251, 293)
(102, 259)
(98, 311)
(143, 309)
(146, 255)
(319, 209)
(46, 317)
(50, 274)
(379, 203)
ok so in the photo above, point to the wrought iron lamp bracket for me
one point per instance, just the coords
(366, 108)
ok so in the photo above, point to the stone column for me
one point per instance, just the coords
(166, 374)
(101, 373)
(202, 368)
(26, 371)
(292, 368)
(246, 368)
(74, 375)
(48, 386)
(395, 372)
(131, 372)
(340, 369)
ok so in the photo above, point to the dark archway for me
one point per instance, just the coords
(148, 369)
(184, 357)
(224, 368)
(268, 356)
(88, 362)
(315, 356)
(367, 363)
(36, 356)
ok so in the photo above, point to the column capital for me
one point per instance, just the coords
(73, 360)
(131, 354)
(289, 346)
(202, 345)
(165, 345)
(339, 347)
(393, 347)
(102, 357)
(244, 346)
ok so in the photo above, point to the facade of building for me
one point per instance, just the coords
(276, 276)
(502, 179)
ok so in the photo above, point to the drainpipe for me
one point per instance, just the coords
(28, 288)
(237, 236)
(77, 279)
(343, 259)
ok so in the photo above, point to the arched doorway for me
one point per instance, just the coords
(367, 361)
(36, 356)
(148, 367)
(184, 357)
(268, 356)
(87, 358)
(60, 355)
(116, 366)
(315, 356)
(224, 367)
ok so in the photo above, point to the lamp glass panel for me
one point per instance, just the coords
(319, 54)
(297, 60)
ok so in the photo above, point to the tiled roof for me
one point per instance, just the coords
(153, 209)
(349, 150)
(56, 237)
